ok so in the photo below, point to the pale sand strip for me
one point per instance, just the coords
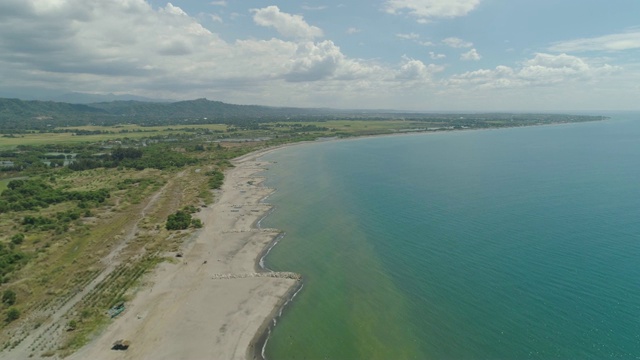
(213, 310)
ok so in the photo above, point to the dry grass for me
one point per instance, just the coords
(63, 264)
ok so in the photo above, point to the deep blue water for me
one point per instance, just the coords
(499, 244)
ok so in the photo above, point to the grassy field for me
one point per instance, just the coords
(70, 138)
(138, 128)
(342, 127)
(62, 257)
(3, 184)
(63, 262)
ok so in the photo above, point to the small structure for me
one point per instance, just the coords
(121, 345)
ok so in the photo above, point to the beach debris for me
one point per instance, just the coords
(116, 310)
(271, 274)
(121, 345)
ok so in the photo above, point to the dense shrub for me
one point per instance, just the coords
(10, 259)
(216, 178)
(9, 297)
(12, 314)
(178, 221)
(17, 239)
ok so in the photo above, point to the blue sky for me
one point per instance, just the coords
(427, 55)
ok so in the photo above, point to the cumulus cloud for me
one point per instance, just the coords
(103, 46)
(542, 69)
(471, 55)
(612, 42)
(314, 62)
(130, 46)
(170, 9)
(455, 42)
(353, 30)
(425, 10)
(287, 25)
(415, 70)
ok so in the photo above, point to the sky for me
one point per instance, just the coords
(422, 55)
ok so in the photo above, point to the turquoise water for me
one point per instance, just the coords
(501, 244)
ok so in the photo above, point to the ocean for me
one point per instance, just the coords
(519, 243)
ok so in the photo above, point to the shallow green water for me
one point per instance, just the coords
(515, 243)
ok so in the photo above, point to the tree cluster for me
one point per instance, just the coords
(30, 194)
(10, 259)
(155, 157)
(182, 219)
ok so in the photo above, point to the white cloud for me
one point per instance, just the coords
(410, 36)
(455, 42)
(216, 18)
(353, 30)
(613, 42)
(170, 9)
(415, 70)
(314, 62)
(313, 8)
(129, 46)
(425, 10)
(543, 69)
(171, 55)
(288, 25)
(471, 55)
(219, 3)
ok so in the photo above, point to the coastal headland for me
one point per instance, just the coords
(213, 302)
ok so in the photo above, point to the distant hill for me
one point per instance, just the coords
(84, 98)
(20, 115)
(201, 108)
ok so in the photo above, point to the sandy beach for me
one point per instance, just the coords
(213, 302)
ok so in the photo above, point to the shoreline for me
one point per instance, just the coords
(246, 244)
(215, 301)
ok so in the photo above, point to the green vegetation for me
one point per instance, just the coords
(178, 221)
(182, 219)
(23, 195)
(12, 314)
(23, 117)
(216, 178)
(9, 297)
(3, 185)
(11, 259)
